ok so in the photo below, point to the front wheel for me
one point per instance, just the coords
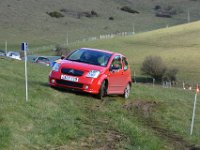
(127, 91)
(102, 90)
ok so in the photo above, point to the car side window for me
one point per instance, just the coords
(116, 63)
(125, 63)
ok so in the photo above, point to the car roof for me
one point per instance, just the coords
(41, 57)
(13, 52)
(101, 50)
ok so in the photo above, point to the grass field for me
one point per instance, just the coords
(152, 118)
(28, 21)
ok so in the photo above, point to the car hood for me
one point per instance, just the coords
(81, 66)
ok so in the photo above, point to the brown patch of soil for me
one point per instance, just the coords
(174, 139)
(112, 138)
(145, 109)
(108, 140)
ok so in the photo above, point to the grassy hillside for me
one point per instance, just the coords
(152, 118)
(23, 20)
(178, 46)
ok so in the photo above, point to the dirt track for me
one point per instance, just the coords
(144, 110)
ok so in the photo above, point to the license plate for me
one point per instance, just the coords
(69, 78)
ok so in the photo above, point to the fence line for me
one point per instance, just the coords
(185, 85)
(100, 37)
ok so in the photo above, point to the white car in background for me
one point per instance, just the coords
(15, 55)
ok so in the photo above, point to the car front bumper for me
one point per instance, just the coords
(89, 85)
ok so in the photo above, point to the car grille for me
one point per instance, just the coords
(68, 83)
(72, 72)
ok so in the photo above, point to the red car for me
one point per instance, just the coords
(93, 71)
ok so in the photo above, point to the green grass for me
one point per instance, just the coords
(56, 119)
(178, 46)
(51, 118)
(69, 120)
(28, 20)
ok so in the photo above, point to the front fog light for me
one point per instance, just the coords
(53, 81)
(86, 87)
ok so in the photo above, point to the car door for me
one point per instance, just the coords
(116, 76)
(126, 72)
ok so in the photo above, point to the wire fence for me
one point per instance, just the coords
(185, 85)
(77, 42)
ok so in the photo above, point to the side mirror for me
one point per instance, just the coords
(62, 57)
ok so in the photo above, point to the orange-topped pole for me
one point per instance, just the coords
(194, 109)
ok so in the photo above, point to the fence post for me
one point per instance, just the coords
(134, 77)
(6, 47)
(183, 85)
(163, 84)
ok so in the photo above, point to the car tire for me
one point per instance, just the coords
(127, 91)
(102, 90)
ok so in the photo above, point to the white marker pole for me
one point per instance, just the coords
(67, 40)
(188, 17)
(6, 47)
(194, 109)
(26, 76)
(193, 114)
(25, 48)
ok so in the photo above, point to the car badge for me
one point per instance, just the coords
(71, 71)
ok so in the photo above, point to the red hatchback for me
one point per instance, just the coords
(93, 71)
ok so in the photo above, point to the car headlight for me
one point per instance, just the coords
(56, 67)
(93, 74)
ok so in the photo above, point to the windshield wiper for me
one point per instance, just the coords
(77, 60)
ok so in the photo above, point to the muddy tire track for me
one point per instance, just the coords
(144, 109)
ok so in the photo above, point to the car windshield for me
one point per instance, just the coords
(43, 59)
(98, 58)
(15, 54)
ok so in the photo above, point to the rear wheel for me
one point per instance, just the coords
(127, 91)
(102, 90)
